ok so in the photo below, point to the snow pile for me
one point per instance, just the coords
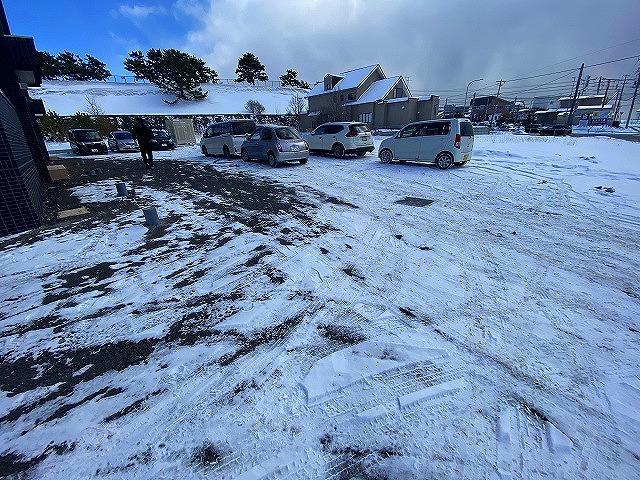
(69, 97)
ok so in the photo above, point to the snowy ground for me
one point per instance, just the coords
(342, 319)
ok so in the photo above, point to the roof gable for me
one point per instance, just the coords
(379, 89)
(350, 79)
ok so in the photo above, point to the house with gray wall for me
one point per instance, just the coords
(367, 95)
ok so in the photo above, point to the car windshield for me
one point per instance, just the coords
(287, 134)
(359, 128)
(86, 135)
(242, 128)
(123, 135)
(160, 134)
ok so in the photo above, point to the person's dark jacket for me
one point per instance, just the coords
(143, 134)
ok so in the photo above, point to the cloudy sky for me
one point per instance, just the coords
(438, 45)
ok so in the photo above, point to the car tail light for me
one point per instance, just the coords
(352, 133)
(279, 147)
(306, 146)
(457, 141)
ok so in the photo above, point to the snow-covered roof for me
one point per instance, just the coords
(376, 91)
(396, 100)
(68, 97)
(582, 97)
(350, 79)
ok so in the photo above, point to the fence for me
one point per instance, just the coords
(229, 81)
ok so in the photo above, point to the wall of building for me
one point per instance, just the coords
(428, 109)
(20, 185)
(398, 114)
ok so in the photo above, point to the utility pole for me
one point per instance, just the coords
(495, 105)
(633, 100)
(604, 99)
(599, 82)
(586, 84)
(575, 98)
(624, 81)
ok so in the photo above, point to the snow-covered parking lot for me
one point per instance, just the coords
(341, 319)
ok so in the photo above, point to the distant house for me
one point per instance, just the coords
(367, 95)
(489, 107)
(592, 108)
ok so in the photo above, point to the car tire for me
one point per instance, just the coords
(226, 153)
(245, 155)
(303, 161)
(205, 152)
(337, 150)
(273, 161)
(444, 160)
(386, 156)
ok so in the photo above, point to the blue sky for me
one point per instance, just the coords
(103, 28)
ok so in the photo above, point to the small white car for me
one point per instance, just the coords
(122, 141)
(226, 138)
(443, 142)
(341, 138)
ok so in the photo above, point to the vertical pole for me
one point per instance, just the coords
(598, 89)
(604, 99)
(633, 100)
(624, 81)
(575, 98)
(493, 114)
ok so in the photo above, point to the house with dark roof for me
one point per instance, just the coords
(367, 95)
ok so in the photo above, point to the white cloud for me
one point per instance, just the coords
(437, 45)
(140, 12)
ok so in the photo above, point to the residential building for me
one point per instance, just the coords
(23, 155)
(367, 95)
(489, 107)
(592, 108)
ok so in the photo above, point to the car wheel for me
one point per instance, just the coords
(245, 155)
(226, 152)
(338, 150)
(386, 156)
(273, 161)
(205, 152)
(303, 161)
(444, 160)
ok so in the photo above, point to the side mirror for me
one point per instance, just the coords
(248, 135)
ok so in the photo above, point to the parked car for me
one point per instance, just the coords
(443, 142)
(340, 138)
(555, 130)
(122, 141)
(161, 140)
(532, 128)
(276, 144)
(86, 141)
(226, 138)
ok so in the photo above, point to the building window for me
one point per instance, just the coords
(399, 92)
(365, 117)
(335, 99)
(351, 96)
(342, 98)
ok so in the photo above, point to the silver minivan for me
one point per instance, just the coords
(443, 142)
(226, 138)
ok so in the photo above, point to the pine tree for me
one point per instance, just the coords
(49, 65)
(96, 69)
(250, 69)
(290, 79)
(71, 66)
(173, 71)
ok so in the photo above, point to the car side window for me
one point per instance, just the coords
(266, 134)
(335, 129)
(321, 130)
(226, 128)
(256, 134)
(216, 131)
(207, 132)
(410, 131)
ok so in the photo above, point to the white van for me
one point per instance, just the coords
(226, 138)
(443, 142)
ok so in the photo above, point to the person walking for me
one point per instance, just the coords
(143, 135)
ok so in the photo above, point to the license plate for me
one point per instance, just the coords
(295, 148)
(94, 149)
(465, 156)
